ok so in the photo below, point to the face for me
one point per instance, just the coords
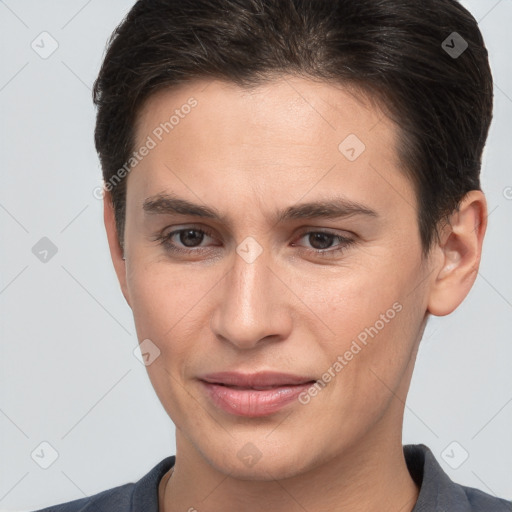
(335, 294)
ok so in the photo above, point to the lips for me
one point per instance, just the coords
(256, 388)
(260, 380)
(253, 395)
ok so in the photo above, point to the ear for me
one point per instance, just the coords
(116, 251)
(458, 253)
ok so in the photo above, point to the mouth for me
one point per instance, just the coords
(259, 388)
(259, 381)
(253, 395)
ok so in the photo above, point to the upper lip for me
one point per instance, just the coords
(255, 379)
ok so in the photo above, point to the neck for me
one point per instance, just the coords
(373, 478)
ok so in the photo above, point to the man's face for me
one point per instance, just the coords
(249, 292)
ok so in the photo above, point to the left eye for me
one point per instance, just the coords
(322, 240)
(185, 236)
(191, 238)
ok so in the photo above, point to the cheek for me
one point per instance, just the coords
(372, 320)
(162, 309)
(169, 307)
(149, 301)
(162, 296)
(353, 299)
(378, 372)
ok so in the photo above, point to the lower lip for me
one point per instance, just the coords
(251, 402)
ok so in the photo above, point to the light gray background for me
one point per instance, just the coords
(69, 376)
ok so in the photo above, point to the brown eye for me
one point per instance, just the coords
(321, 241)
(186, 240)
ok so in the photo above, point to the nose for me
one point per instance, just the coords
(253, 305)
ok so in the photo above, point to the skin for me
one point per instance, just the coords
(248, 154)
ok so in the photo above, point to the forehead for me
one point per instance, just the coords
(286, 109)
(281, 140)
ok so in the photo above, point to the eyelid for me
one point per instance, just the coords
(328, 231)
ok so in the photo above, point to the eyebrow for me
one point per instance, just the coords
(332, 208)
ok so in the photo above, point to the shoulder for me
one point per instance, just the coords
(438, 492)
(115, 499)
(140, 495)
(482, 501)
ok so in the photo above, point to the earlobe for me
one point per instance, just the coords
(116, 251)
(458, 254)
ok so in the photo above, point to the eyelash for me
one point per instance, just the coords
(164, 240)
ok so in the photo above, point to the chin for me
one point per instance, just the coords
(247, 464)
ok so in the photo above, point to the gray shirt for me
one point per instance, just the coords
(438, 493)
